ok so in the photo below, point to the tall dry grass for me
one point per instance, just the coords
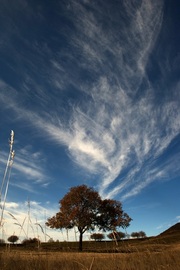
(140, 260)
(6, 178)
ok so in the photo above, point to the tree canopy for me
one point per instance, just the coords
(97, 236)
(112, 215)
(13, 238)
(116, 235)
(140, 234)
(82, 207)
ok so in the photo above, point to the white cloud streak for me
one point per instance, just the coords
(28, 165)
(114, 129)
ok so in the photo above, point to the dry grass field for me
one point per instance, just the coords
(75, 261)
(155, 253)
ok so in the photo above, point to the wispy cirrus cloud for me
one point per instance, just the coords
(27, 165)
(112, 131)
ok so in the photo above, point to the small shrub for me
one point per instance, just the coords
(13, 238)
(140, 234)
(116, 235)
(30, 242)
(50, 240)
(97, 236)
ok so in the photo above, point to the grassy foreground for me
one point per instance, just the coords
(90, 261)
(131, 255)
(153, 253)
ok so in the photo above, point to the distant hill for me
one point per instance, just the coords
(169, 236)
(175, 229)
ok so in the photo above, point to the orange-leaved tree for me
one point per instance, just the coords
(82, 207)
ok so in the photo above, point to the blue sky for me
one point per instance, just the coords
(92, 92)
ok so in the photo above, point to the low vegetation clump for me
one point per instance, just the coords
(97, 236)
(31, 241)
(13, 239)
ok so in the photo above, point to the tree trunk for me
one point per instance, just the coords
(80, 241)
